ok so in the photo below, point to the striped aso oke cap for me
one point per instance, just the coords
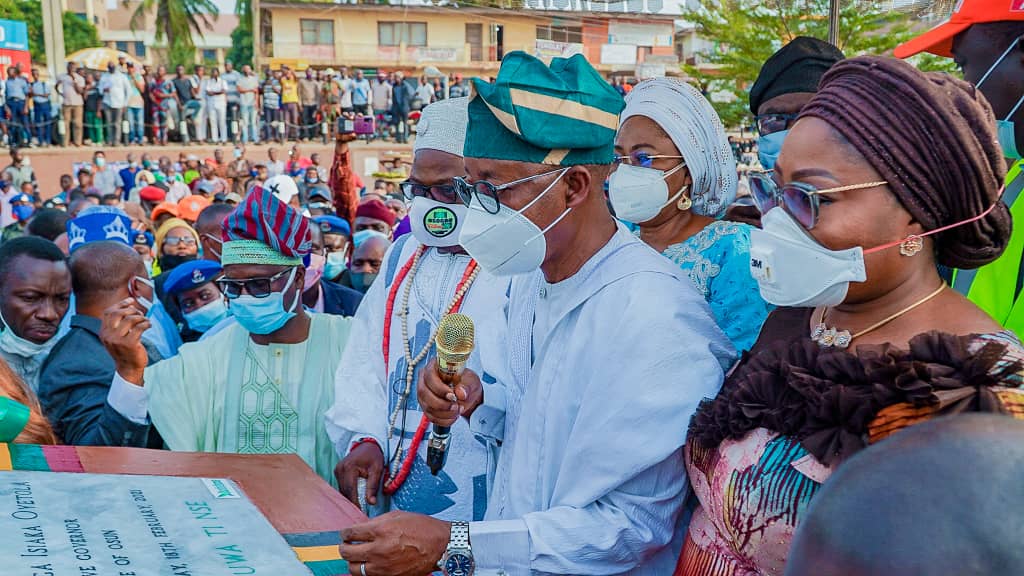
(264, 230)
(562, 115)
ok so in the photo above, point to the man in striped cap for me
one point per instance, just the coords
(277, 357)
(588, 481)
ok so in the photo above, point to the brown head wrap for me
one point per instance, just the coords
(932, 138)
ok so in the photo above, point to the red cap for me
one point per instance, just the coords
(939, 40)
(377, 210)
(152, 194)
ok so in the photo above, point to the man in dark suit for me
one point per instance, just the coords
(322, 295)
(74, 382)
(401, 103)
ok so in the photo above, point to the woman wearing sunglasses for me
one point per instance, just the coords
(887, 173)
(675, 176)
(176, 243)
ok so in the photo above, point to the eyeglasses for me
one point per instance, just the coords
(487, 193)
(642, 159)
(441, 192)
(771, 123)
(800, 199)
(255, 287)
(175, 240)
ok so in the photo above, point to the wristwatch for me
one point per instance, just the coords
(458, 558)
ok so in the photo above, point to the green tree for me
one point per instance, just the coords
(747, 32)
(176, 21)
(241, 38)
(78, 33)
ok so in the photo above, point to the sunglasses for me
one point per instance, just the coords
(801, 200)
(174, 241)
(487, 193)
(771, 123)
(642, 159)
(447, 193)
(255, 287)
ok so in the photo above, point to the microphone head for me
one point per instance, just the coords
(454, 340)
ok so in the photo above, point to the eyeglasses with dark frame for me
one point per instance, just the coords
(771, 123)
(487, 193)
(441, 192)
(255, 287)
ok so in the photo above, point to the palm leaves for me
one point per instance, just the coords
(176, 21)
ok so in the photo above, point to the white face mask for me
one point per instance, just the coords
(14, 344)
(435, 223)
(506, 243)
(638, 194)
(792, 269)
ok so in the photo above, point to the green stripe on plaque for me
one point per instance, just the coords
(28, 457)
(328, 567)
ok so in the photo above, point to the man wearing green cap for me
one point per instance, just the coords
(610, 350)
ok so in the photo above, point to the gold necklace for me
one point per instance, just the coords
(831, 337)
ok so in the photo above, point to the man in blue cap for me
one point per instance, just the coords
(23, 207)
(193, 288)
(337, 243)
(592, 420)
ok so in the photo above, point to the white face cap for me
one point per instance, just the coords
(282, 187)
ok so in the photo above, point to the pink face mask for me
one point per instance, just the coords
(314, 271)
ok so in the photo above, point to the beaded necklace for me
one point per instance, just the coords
(400, 467)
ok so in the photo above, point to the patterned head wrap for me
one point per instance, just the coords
(696, 130)
(932, 138)
(264, 230)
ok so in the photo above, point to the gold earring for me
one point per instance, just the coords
(911, 246)
(684, 202)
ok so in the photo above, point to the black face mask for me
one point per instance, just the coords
(168, 262)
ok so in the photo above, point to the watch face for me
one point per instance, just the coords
(458, 564)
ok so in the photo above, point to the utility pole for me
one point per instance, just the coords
(257, 37)
(53, 36)
(833, 22)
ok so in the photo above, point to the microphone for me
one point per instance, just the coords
(454, 344)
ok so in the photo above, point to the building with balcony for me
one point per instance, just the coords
(631, 38)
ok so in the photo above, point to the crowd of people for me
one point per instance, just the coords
(656, 387)
(143, 104)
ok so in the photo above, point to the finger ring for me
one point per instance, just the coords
(362, 569)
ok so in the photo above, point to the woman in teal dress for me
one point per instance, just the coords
(675, 177)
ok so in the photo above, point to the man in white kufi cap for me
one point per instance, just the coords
(376, 423)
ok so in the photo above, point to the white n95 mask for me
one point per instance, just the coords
(792, 269)
(506, 243)
(638, 194)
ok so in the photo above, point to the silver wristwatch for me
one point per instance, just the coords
(458, 558)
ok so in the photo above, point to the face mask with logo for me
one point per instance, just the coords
(793, 269)
(362, 281)
(435, 223)
(206, 317)
(314, 271)
(768, 148)
(23, 212)
(336, 263)
(14, 344)
(638, 194)
(508, 242)
(264, 315)
(1005, 128)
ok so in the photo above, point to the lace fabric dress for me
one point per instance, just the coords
(717, 259)
(792, 412)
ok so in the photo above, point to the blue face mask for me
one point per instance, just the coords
(362, 280)
(23, 212)
(335, 264)
(1005, 128)
(264, 315)
(768, 148)
(206, 317)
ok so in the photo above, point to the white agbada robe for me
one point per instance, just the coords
(366, 393)
(607, 368)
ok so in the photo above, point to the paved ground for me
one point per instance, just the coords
(50, 163)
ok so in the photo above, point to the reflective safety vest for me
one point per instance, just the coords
(996, 287)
